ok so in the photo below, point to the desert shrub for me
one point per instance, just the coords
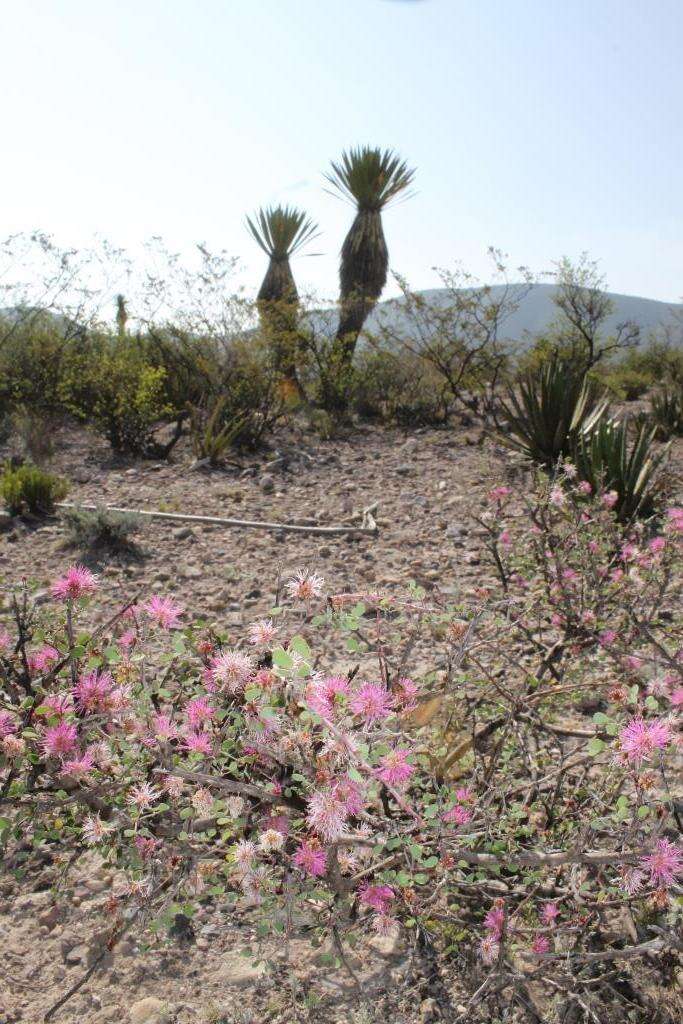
(667, 413)
(31, 489)
(212, 431)
(548, 409)
(398, 388)
(32, 364)
(626, 382)
(609, 459)
(36, 432)
(305, 783)
(102, 529)
(115, 388)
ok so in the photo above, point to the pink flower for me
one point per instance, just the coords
(311, 860)
(305, 585)
(5, 640)
(60, 740)
(77, 582)
(632, 880)
(163, 611)
(198, 743)
(489, 948)
(163, 727)
(324, 695)
(541, 944)
(498, 494)
(394, 768)
(327, 815)
(59, 704)
(231, 670)
(262, 633)
(609, 499)
(638, 739)
(92, 691)
(94, 830)
(351, 795)
(657, 544)
(607, 638)
(549, 913)
(557, 497)
(80, 767)
(198, 711)
(42, 659)
(676, 697)
(379, 897)
(128, 640)
(505, 539)
(665, 864)
(7, 724)
(372, 702)
(143, 795)
(585, 487)
(146, 846)
(494, 920)
(458, 815)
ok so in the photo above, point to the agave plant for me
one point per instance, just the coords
(371, 179)
(667, 413)
(604, 457)
(547, 410)
(281, 231)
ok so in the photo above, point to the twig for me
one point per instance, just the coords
(369, 526)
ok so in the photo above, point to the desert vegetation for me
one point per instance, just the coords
(472, 766)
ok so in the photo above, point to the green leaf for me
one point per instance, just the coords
(281, 659)
(596, 746)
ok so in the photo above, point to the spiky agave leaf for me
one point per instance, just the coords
(547, 409)
(603, 457)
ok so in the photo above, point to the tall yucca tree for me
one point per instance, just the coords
(371, 179)
(281, 231)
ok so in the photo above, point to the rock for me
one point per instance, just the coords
(108, 1015)
(50, 918)
(149, 1011)
(192, 572)
(76, 955)
(239, 971)
(429, 1011)
(81, 475)
(404, 469)
(267, 483)
(182, 533)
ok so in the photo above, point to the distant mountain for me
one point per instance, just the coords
(536, 311)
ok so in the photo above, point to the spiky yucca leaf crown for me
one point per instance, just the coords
(370, 177)
(281, 230)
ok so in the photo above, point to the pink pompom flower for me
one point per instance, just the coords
(372, 701)
(664, 864)
(310, 859)
(395, 769)
(77, 582)
(163, 611)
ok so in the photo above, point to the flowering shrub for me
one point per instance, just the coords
(204, 765)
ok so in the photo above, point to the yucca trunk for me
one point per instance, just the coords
(363, 274)
(278, 306)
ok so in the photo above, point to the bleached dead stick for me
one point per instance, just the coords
(368, 525)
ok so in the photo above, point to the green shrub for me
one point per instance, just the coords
(397, 387)
(30, 489)
(102, 529)
(604, 456)
(212, 433)
(627, 383)
(33, 358)
(116, 389)
(548, 409)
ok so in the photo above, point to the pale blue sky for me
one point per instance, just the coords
(544, 127)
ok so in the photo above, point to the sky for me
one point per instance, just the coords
(543, 127)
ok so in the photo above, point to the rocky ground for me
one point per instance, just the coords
(427, 487)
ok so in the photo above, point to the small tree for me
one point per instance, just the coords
(584, 307)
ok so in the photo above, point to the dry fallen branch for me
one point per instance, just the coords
(368, 524)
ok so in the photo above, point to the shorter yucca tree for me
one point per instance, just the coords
(605, 459)
(547, 409)
(371, 179)
(281, 231)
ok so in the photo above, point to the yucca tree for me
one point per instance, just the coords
(281, 231)
(371, 179)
